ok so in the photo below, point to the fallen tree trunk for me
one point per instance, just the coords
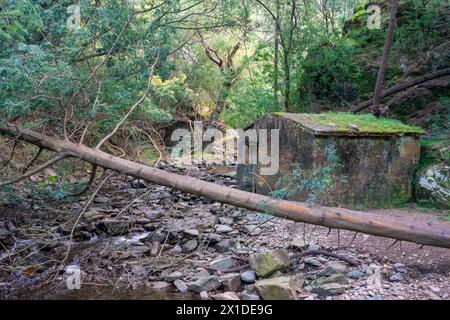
(432, 234)
(403, 86)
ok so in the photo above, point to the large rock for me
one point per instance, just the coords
(331, 268)
(269, 262)
(330, 289)
(281, 288)
(231, 282)
(205, 284)
(339, 278)
(224, 264)
(433, 186)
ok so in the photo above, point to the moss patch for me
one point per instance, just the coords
(340, 122)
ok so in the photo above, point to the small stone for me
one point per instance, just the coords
(191, 233)
(435, 289)
(213, 238)
(227, 221)
(5, 236)
(225, 296)
(138, 250)
(205, 284)
(245, 295)
(92, 214)
(281, 288)
(355, 274)
(400, 267)
(224, 264)
(204, 295)
(353, 127)
(156, 249)
(252, 230)
(225, 245)
(299, 244)
(160, 286)
(232, 282)
(174, 276)
(223, 229)
(248, 276)
(314, 247)
(396, 277)
(180, 285)
(215, 208)
(331, 268)
(115, 227)
(190, 246)
(330, 289)
(202, 272)
(176, 249)
(332, 124)
(312, 262)
(269, 262)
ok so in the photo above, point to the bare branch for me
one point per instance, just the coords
(133, 107)
(35, 171)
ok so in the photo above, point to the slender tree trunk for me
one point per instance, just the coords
(385, 59)
(287, 80)
(221, 101)
(407, 229)
(277, 56)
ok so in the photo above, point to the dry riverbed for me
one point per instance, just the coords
(150, 242)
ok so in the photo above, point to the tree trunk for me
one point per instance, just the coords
(276, 68)
(287, 80)
(385, 59)
(407, 229)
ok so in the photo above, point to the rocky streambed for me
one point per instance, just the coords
(141, 241)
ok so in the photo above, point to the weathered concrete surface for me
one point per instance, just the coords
(376, 170)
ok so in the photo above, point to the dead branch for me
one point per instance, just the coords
(403, 86)
(37, 155)
(133, 107)
(35, 171)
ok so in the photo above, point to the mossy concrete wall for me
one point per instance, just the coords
(378, 170)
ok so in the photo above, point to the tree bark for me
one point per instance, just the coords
(432, 234)
(385, 59)
(403, 86)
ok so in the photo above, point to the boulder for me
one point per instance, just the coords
(268, 262)
(281, 288)
(433, 186)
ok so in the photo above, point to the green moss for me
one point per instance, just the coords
(364, 122)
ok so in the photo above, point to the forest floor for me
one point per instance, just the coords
(134, 240)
